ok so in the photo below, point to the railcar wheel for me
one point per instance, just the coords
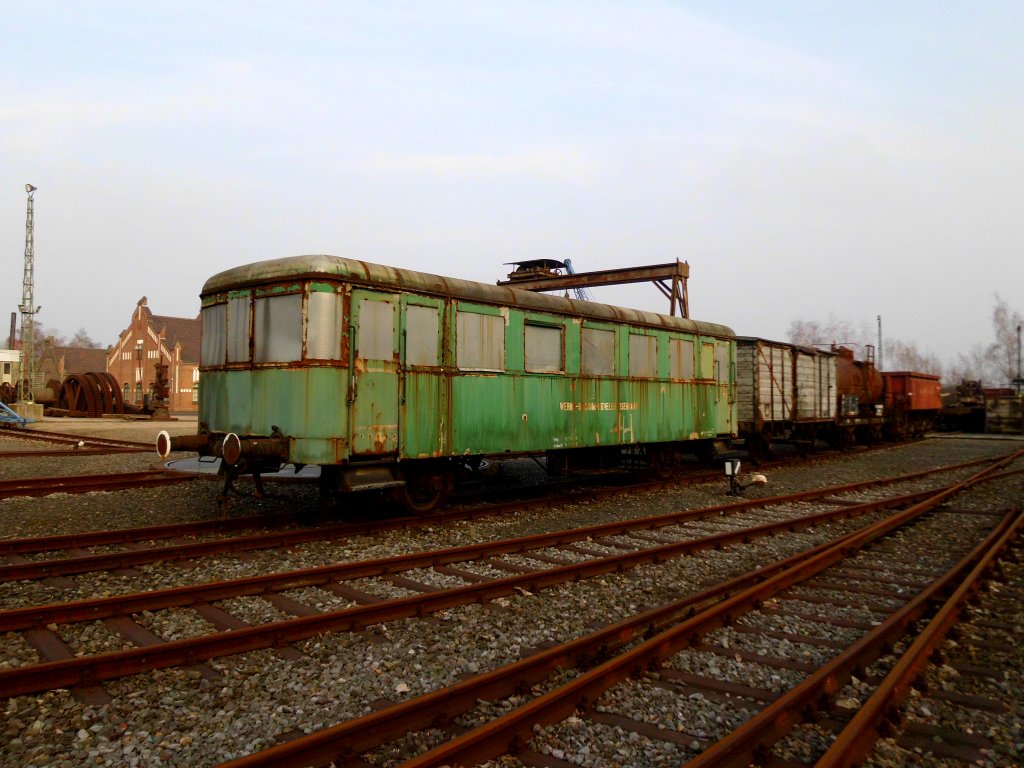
(425, 489)
(660, 461)
(705, 452)
(759, 447)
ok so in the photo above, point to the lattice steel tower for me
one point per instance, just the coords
(28, 306)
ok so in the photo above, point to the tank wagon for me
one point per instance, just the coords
(395, 379)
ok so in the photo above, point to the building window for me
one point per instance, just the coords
(195, 392)
(138, 393)
(127, 392)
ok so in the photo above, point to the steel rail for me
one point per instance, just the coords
(330, 530)
(858, 738)
(67, 452)
(777, 718)
(44, 486)
(515, 727)
(348, 739)
(61, 437)
(131, 558)
(149, 533)
(89, 670)
(99, 608)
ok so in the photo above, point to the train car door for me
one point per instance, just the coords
(424, 396)
(725, 400)
(374, 388)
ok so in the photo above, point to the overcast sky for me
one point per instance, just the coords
(807, 159)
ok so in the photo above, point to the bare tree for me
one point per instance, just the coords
(903, 356)
(833, 331)
(974, 366)
(82, 340)
(46, 337)
(1005, 323)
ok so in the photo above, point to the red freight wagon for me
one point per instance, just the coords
(913, 400)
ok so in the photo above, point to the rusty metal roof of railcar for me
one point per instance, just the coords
(378, 275)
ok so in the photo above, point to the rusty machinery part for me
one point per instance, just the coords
(48, 394)
(8, 393)
(110, 392)
(91, 394)
(77, 396)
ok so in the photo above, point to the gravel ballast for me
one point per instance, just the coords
(183, 717)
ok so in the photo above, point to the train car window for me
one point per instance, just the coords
(238, 329)
(323, 325)
(598, 352)
(277, 330)
(680, 358)
(707, 361)
(544, 349)
(376, 330)
(643, 356)
(479, 342)
(722, 361)
(421, 335)
(215, 320)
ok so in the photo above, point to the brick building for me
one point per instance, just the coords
(57, 362)
(149, 338)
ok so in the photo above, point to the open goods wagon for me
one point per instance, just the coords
(393, 379)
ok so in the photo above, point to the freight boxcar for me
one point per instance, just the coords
(913, 402)
(784, 391)
(393, 379)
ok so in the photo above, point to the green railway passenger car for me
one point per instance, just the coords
(391, 378)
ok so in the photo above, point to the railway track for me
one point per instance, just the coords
(276, 611)
(479, 572)
(44, 486)
(84, 441)
(681, 663)
(142, 546)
